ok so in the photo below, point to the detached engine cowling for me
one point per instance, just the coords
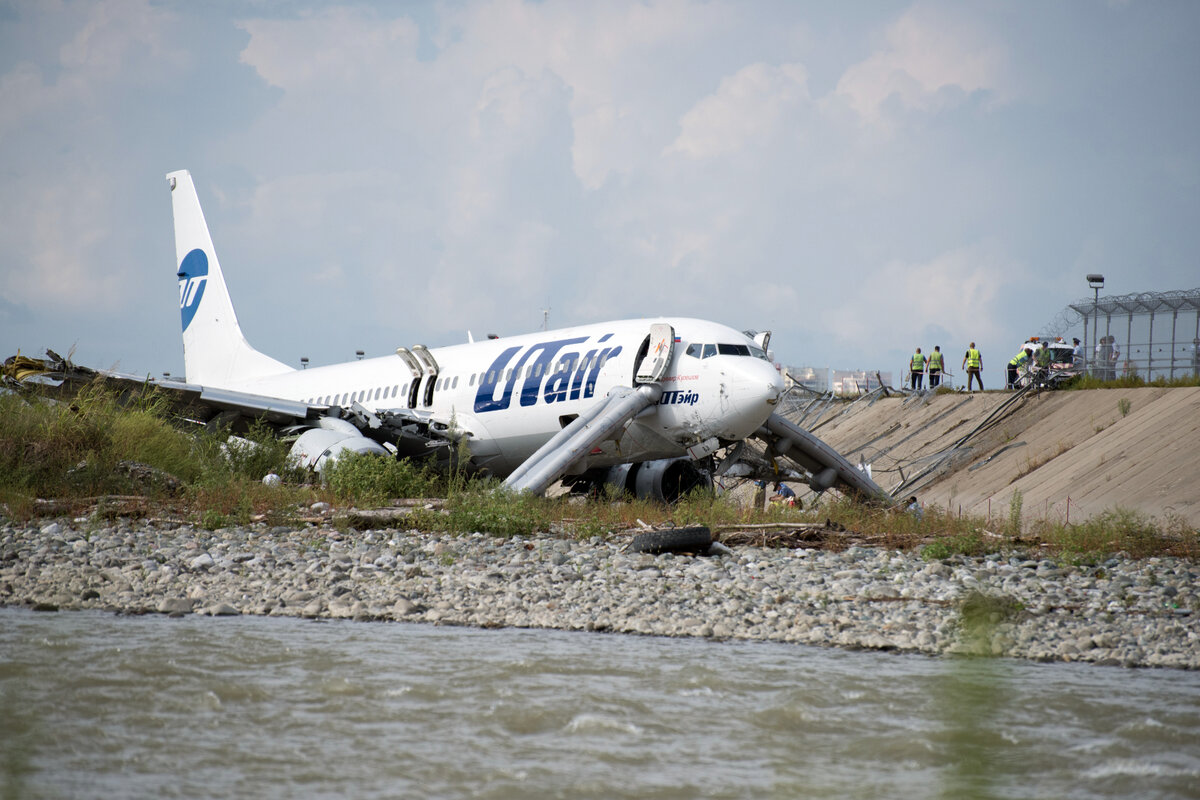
(665, 480)
(319, 446)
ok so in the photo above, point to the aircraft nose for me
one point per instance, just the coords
(753, 390)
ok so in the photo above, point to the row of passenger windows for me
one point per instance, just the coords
(451, 382)
(696, 350)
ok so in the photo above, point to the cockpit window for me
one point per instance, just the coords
(696, 350)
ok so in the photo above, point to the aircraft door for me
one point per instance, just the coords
(414, 367)
(431, 370)
(658, 357)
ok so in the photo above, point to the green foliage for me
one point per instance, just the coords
(212, 519)
(490, 508)
(1014, 512)
(702, 506)
(1131, 382)
(99, 444)
(1123, 405)
(967, 544)
(1120, 530)
(374, 478)
(54, 449)
(222, 457)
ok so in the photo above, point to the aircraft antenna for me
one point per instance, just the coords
(545, 319)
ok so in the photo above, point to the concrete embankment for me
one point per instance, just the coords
(1123, 612)
(1070, 454)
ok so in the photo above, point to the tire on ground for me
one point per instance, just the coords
(673, 540)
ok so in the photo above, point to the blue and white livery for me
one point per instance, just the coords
(535, 408)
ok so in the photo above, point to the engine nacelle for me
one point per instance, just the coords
(318, 447)
(665, 480)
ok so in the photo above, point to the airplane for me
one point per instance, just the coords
(642, 404)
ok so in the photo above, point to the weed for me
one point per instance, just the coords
(1119, 530)
(1130, 382)
(374, 478)
(212, 519)
(1014, 512)
(1123, 405)
(967, 544)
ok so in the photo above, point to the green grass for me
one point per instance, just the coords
(373, 478)
(80, 452)
(1131, 382)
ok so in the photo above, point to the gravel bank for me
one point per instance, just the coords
(1124, 612)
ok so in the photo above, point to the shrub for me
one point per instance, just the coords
(374, 478)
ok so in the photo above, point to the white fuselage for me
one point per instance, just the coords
(512, 394)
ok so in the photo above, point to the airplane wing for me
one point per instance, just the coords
(56, 375)
(410, 433)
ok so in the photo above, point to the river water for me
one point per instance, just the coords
(95, 705)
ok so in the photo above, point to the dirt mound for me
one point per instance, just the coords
(1072, 454)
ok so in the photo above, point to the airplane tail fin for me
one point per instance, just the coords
(215, 353)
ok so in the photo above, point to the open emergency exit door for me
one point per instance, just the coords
(658, 356)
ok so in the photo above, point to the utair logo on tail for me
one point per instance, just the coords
(193, 276)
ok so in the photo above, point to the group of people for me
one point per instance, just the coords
(1038, 358)
(1107, 356)
(934, 364)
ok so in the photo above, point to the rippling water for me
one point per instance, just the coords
(95, 705)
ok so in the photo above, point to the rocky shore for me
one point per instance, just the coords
(1122, 612)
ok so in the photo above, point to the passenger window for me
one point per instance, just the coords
(471, 382)
(454, 383)
(710, 350)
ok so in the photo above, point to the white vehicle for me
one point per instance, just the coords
(642, 403)
(1061, 365)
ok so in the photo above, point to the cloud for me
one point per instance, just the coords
(971, 290)
(57, 250)
(622, 65)
(746, 108)
(95, 46)
(929, 61)
(310, 54)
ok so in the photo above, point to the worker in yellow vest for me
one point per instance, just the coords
(973, 364)
(1015, 364)
(917, 366)
(936, 366)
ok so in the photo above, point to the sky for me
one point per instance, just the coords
(859, 178)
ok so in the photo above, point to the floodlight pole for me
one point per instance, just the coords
(1096, 281)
